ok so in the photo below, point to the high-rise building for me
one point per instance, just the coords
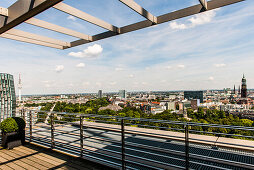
(244, 88)
(194, 95)
(122, 94)
(100, 94)
(8, 97)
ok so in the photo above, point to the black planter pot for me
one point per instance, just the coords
(13, 139)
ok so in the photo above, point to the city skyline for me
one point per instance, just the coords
(206, 51)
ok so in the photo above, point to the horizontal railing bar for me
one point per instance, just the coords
(156, 121)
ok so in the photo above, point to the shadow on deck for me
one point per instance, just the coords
(35, 157)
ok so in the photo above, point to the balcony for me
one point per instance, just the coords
(130, 143)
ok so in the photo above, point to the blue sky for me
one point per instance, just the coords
(206, 51)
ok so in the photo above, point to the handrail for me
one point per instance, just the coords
(111, 140)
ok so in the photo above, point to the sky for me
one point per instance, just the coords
(211, 50)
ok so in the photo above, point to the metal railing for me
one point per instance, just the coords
(133, 143)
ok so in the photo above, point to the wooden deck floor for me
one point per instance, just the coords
(33, 157)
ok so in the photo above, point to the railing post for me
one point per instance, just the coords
(81, 136)
(187, 156)
(30, 126)
(123, 145)
(52, 130)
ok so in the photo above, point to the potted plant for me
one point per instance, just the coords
(13, 133)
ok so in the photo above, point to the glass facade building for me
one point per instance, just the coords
(8, 97)
(122, 94)
(194, 95)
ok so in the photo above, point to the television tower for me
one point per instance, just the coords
(19, 87)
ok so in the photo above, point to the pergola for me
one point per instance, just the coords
(23, 11)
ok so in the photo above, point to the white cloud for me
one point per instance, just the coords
(181, 66)
(220, 65)
(202, 18)
(98, 84)
(70, 17)
(131, 76)
(198, 19)
(119, 69)
(168, 67)
(71, 85)
(80, 65)
(112, 83)
(86, 83)
(47, 85)
(175, 25)
(59, 68)
(211, 78)
(91, 52)
(178, 80)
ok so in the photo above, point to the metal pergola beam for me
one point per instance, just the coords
(56, 28)
(3, 11)
(84, 16)
(204, 4)
(31, 41)
(22, 10)
(139, 9)
(213, 4)
(37, 37)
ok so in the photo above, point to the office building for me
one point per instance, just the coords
(122, 94)
(171, 106)
(195, 103)
(100, 94)
(194, 95)
(8, 97)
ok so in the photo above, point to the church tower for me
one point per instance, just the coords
(244, 88)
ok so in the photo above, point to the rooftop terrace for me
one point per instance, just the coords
(130, 143)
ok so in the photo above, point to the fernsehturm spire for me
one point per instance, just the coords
(19, 87)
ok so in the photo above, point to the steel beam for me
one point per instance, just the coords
(31, 41)
(3, 11)
(84, 16)
(22, 10)
(204, 4)
(213, 4)
(139, 9)
(36, 37)
(56, 28)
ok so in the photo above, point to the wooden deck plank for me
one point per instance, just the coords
(33, 157)
(5, 167)
(7, 155)
(29, 160)
(46, 157)
(21, 161)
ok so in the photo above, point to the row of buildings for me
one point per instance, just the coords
(150, 102)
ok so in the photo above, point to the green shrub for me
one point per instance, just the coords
(21, 123)
(9, 125)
